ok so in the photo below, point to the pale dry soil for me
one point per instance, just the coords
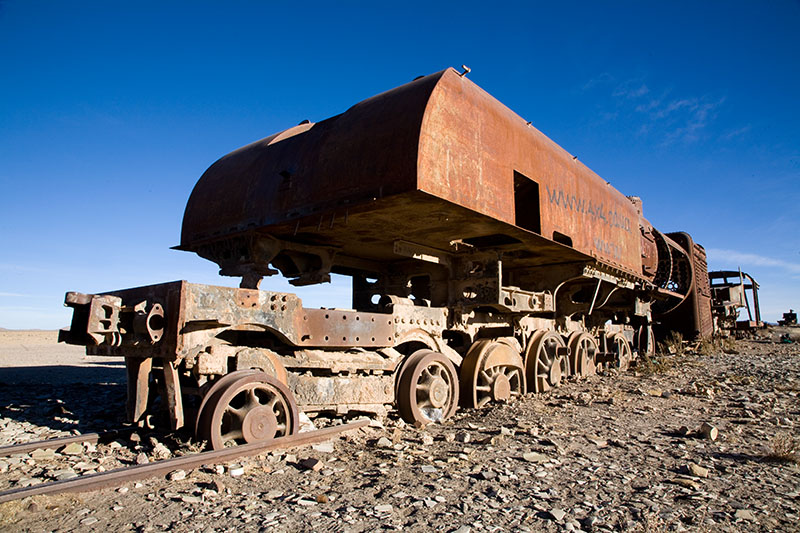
(609, 453)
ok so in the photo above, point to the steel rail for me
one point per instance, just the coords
(92, 438)
(133, 473)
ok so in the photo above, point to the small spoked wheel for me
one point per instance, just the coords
(545, 361)
(621, 348)
(582, 354)
(253, 407)
(492, 371)
(427, 390)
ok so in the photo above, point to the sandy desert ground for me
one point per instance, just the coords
(611, 453)
(35, 356)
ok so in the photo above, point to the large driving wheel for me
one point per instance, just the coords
(252, 407)
(545, 361)
(428, 388)
(621, 348)
(582, 354)
(492, 371)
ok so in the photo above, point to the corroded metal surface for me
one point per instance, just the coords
(477, 153)
(546, 361)
(492, 371)
(460, 167)
(316, 393)
(732, 290)
(428, 388)
(198, 311)
(253, 407)
(470, 238)
(689, 310)
(582, 351)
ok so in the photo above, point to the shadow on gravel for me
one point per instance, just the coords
(739, 457)
(31, 376)
(65, 398)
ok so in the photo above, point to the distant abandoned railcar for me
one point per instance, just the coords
(732, 290)
(485, 260)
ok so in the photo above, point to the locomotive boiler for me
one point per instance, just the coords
(486, 262)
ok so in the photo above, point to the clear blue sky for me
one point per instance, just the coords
(110, 112)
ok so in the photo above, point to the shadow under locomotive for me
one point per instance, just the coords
(85, 399)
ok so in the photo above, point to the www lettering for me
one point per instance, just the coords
(570, 202)
(608, 248)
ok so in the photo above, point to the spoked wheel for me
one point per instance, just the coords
(428, 388)
(645, 341)
(251, 407)
(492, 371)
(582, 354)
(545, 361)
(211, 396)
(621, 348)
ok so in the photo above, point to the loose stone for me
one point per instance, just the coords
(176, 475)
(75, 448)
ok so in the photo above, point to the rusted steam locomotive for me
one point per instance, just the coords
(485, 260)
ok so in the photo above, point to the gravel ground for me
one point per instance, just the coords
(615, 452)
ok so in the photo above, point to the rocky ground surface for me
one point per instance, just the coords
(614, 452)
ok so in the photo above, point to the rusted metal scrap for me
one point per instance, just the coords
(789, 319)
(733, 290)
(486, 261)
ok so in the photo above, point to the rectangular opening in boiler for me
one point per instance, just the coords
(563, 239)
(526, 203)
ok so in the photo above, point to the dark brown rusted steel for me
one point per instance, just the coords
(253, 407)
(211, 396)
(454, 156)
(428, 388)
(582, 351)
(689, 312)
(492, 371)
(138, 373)
(732, 290)
(116, 477)
(459, 224)
(546, 361)
(621, 349)
(172, 389)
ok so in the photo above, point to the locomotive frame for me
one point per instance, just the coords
(486, 262)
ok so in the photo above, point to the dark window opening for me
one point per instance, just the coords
(420, 288)
(561, 238)
(526, 203)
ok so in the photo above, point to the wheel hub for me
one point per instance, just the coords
(259, 424)
(501, 388)
(555, 372)
(438, 392)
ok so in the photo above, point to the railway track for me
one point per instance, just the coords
(92, 438)
(134, 473)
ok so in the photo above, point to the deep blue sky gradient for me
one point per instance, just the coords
(110, 112)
